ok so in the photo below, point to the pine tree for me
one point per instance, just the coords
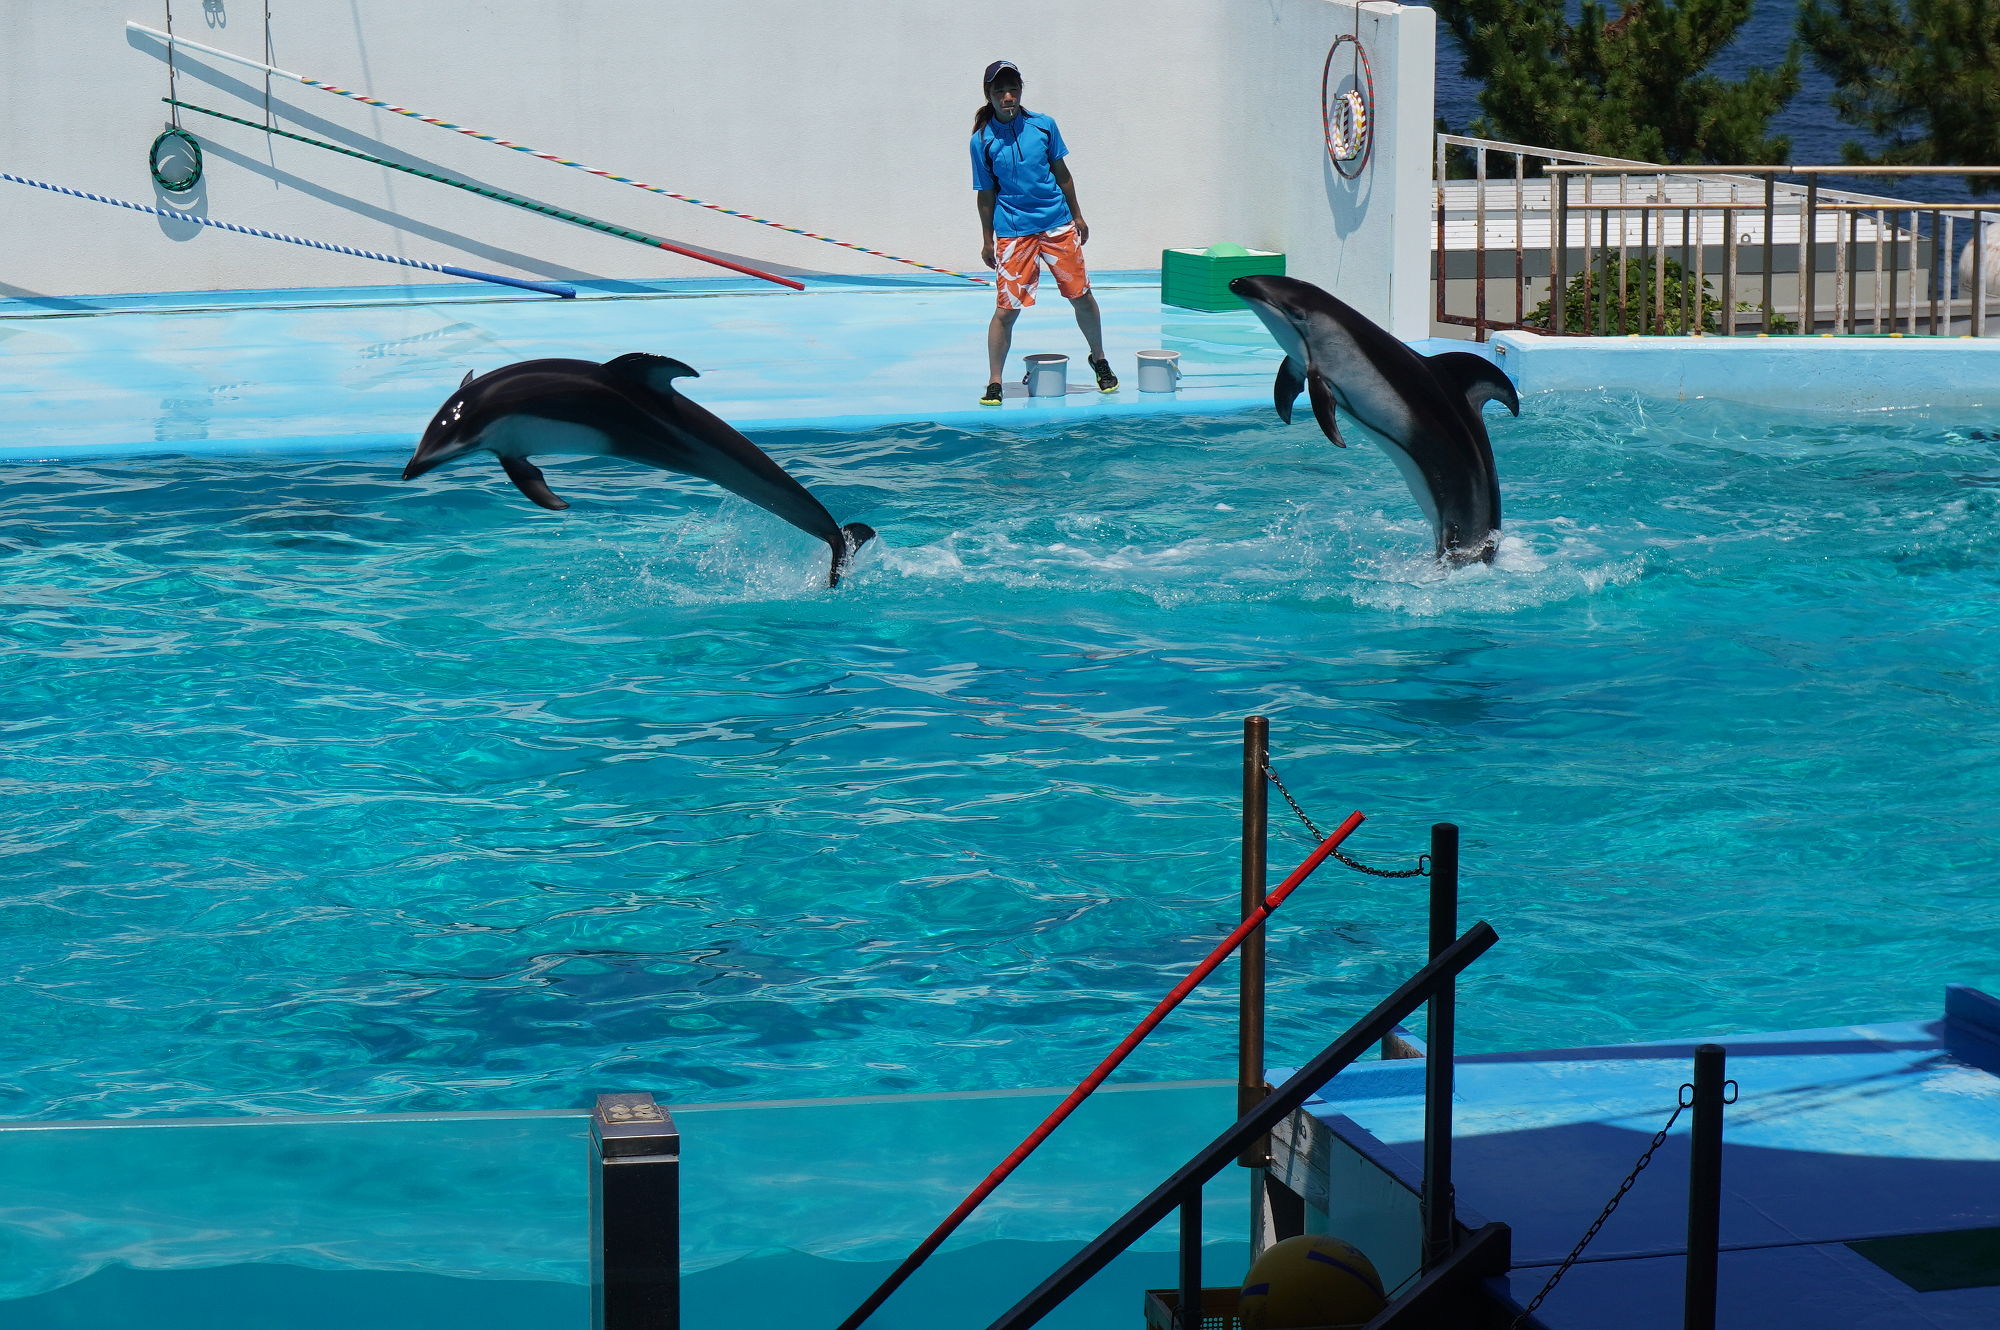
(1922, 77)
(1632, 86)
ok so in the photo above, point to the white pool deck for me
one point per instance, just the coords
(364, 370)
(1839, 1135)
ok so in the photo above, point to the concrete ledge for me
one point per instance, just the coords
(1801, 373)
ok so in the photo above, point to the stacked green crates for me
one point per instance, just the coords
(1200, 278)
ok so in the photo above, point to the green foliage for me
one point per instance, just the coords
(1629, 87)
(1602, 308)
(1922, 77)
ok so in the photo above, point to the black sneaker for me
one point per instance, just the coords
(991, 397)
(1107, 382)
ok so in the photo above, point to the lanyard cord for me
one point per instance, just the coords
(172, 90)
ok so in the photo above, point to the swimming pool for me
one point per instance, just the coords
(327, 792)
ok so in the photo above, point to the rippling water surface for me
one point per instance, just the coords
(326, 791)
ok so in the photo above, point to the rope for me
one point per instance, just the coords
(1423, 868)
(486, 192)
(548, 288)
(379, 104)
(172, 89)
(1222, 950)
(175, 184)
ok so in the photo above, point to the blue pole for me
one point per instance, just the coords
(547, 288)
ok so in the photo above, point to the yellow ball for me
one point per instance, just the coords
(1313, 1280)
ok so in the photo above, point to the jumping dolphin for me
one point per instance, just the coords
(626, 408)
(1424, 411)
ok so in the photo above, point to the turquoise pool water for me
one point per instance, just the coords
(325, 791)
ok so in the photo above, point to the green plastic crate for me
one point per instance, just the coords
(1200, 278)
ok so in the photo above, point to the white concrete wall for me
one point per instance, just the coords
(1190, 122)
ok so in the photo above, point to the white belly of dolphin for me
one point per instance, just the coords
(1420, 488)
(523, 436)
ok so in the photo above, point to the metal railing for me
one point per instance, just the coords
(1182, 1191)
(1571, 244)
(1520, 199)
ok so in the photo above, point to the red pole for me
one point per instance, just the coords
(725, 263)
(1110, 1064)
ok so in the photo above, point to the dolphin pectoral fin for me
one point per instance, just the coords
(1287, 389)
(527, 478)
(1322, 400)
(654, 373)
(852, 537)
(1479, 379)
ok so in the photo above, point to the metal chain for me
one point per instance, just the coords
(1685, 1100)
(1423, 868)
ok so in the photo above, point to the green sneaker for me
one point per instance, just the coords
(1107, 382)
(991, 397)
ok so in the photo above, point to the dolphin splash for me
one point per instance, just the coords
(1423, 410)
(629, 408)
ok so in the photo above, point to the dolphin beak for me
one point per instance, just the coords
(418, 464)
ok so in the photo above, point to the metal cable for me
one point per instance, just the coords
(1686, 1100)
(1423, 868)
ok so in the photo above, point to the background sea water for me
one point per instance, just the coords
(324, 791)
(1817, 135)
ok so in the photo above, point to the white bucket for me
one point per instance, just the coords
(1048, 375)
(1159, 371)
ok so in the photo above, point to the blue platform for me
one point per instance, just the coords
(1839, 1135)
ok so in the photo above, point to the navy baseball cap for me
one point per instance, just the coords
(999, 67)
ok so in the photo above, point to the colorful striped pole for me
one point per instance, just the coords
(499, 195)
(379, 104)
(547, 288)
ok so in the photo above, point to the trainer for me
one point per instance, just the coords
(1028, 216)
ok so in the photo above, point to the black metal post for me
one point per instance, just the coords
(1438, 1205)
(635, 1216)
(1809, 265)
(1770, 242)
(1218, 1154)
(1190, 1317)
(1250, 1085)
(1704, 1189)
(1559, 254)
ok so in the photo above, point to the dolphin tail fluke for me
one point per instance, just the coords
(1322, 400)
(1287, 389)
(1453, 551)
(1479, 379)
(527, 478)
(852, 537)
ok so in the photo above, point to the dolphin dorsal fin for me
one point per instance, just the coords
(1478, 378)
(647, 370)
(467, 379)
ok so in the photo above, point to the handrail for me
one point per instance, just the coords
(1553, 154)
(1252, 923)
(1186, 1183)
(1890, 264)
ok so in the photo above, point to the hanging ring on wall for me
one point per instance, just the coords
(1347, 129)
(175, 184)
(1349, 119)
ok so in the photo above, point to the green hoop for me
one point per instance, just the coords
(175, 184)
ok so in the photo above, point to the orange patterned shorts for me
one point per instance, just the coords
(1020, 259)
